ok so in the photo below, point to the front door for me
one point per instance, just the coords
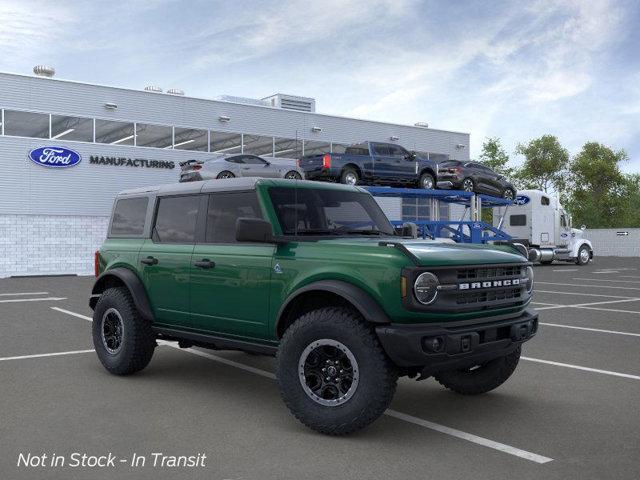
(165, 259)
(254, 166)
(230, 281)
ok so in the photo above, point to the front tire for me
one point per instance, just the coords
(508, 194)
(584, 255)
(225, 174)
(123, 340)
(468, 185)
(358, 380)
(480, 378)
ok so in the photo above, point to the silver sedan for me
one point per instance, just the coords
(230, 166)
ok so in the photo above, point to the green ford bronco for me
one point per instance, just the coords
(315, 274)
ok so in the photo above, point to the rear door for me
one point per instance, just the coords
(230, 281)
(382, 161)
(165, 259)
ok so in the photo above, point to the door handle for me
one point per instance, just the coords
(149, 260)
(204, 263)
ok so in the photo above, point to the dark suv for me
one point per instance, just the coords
(474, 177)
(315, 274)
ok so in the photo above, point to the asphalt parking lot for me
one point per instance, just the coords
(569, 411)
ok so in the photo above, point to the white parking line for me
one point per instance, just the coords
(551, 304)
(566, 270)
(599, 330)
(583, 294)
(392, 413)
(605, 280)
(579, 367)
(41, 355)
(23, 293)
(73, 314)
(592, 286)
(628, 276)
(45, 299)
(610, 310)
(588, 305)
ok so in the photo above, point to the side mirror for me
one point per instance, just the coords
(410, 156)
(253, 230)
(267, 163)
(583, 227)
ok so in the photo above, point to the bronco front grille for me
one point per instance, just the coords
(513, 293)
(485, 273)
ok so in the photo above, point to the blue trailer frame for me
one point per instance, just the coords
(460, 231)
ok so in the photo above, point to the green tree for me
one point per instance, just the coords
(599, 192)
(495, 157)
(545, 164)
(631, 213)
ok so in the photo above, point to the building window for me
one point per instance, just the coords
(26, 124)
(114, 133)
(157, 136)
(287, 148)
(72, 128)
(316, 148)
(225, 142)
(257, 145)
(191, 139)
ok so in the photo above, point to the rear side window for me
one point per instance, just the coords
(517, 220)
(128, 217)
(176, 219)
(224, 210)
(357, 150)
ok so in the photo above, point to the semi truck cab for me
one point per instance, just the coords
(538, 220)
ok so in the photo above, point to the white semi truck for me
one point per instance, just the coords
(538, 221)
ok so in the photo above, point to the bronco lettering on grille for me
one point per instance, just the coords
(489, 284)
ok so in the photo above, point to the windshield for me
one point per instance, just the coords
(305, 211)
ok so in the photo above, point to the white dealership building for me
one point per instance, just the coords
(52, 219)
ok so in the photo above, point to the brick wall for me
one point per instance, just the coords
(49, 245)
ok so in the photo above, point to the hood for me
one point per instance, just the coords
(437, 253)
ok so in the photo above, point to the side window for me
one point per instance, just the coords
(176, 219)
(235, 159)
(544, 200)
(381, 149)
(224, 209)
(395, 151)
(563, 221)
(517, 220)
(128, 217)
(253, 160)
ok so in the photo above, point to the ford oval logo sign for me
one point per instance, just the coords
(55, 157)
(521, 200)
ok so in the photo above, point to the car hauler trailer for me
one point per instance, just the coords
(538, 221)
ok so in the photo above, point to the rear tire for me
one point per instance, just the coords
(349, 176)
(480, 379)
(293, 175)
(427, 181)
(225, 174)
(355, 392)
(123, 340)
(509, 194)
(468, 185)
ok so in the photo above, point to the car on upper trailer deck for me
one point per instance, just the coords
(474, 177)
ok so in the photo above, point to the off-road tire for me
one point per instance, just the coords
(346, 172)
(377, 375)
(483, 379)
(138, 339)
(424, 177)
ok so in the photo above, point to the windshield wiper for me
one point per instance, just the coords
(363, 232)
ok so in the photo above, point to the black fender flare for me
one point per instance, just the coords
(428, 169)
(370, 310)
(133, 284)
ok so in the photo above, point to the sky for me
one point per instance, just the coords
(514, 70)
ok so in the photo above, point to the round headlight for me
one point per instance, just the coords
(426, 288)
(529, 279)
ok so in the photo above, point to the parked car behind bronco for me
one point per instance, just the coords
(315, 274)
(372, 163)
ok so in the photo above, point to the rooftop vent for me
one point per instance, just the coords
(153, 88)
(292, 102)
(175, 91)
(422, 124)
(44, 71)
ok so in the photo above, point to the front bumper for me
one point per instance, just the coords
(462, 344)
